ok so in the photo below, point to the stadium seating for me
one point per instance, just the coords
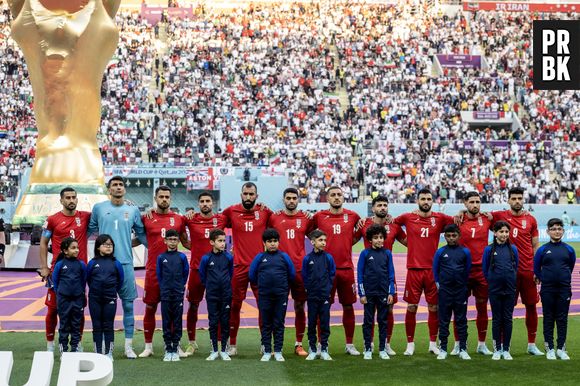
(341, 94)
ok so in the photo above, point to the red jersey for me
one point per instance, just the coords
(247, 228)
(155, 229)
(394, 232)
(339, 229)
(293, 231)
(423, 237)
(60, 226)
(475, 236)
(199, 228)
(523, 229)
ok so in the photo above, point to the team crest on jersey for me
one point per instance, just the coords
(78, 221)
(524, 222)
(387, 229)
(171, 221)
(432, 221)
(346, 217)
(257, 215)
(298, 223)
(215, 222)
(126, 215)
(480, 221)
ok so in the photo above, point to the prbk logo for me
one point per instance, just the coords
(556, 54)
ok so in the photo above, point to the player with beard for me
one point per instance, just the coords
(248, 222)
(424, 228)
(69, 222)
(474, 236)
(157, 223)
(199, 226)
(339, 225)
(524, 235)
(380, 208)
(294, 225)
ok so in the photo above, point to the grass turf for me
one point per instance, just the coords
(246, 368)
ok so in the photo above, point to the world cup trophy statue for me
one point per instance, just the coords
(67, 45)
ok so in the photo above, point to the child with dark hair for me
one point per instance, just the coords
(451, 266)
(318, 272)
(172, 273)
(500, 265)
(69, 278)
(272, 271)
(105, 278)
(553, 266)
(215, 271)
(376, 288)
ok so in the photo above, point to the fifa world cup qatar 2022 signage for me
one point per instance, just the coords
(76, 368)
(459, 61)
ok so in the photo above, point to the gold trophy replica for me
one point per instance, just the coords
(67, 45)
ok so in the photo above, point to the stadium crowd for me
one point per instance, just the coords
(262, 86)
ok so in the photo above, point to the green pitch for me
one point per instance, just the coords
(246, 368)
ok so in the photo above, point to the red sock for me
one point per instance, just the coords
(482, 320)
(235, 321)
(300, 322)
(531, 322)
(390, 325)
(410, 324)
(455, 334)
(191, 320)
(348, 322)
(50, 322)
(433, 323)
(149, 322)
